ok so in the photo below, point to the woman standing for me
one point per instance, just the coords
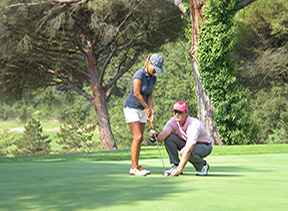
(139, 106)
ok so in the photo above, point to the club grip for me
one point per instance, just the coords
(151, 123)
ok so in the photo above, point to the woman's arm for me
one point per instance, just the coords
(150, 103)
(137, 87)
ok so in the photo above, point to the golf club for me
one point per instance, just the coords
(151, 123)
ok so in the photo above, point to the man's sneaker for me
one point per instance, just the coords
(204, 170)
(137, 171)
(169, 172)
(148, 172)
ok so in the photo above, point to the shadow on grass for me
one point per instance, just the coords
(219, 171)
(79, 186)
(225, 171)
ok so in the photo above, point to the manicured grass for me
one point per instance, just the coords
(240, 178)
(148, 153)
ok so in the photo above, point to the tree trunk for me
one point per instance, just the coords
(107, 138)
(99, 94)
(205, 107)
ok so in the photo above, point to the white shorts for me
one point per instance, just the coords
(135, 115)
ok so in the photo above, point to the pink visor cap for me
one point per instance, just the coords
(180, 106)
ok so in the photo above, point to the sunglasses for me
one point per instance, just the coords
(178, 112)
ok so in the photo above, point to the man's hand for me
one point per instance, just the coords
(152, 133)
(176, 172)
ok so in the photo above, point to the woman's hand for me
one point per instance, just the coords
(149, 113)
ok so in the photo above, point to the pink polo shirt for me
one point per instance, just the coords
(193, 130)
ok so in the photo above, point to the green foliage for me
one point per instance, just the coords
(217, 74)
(175, 84)
(261, 52)
(261, 48)
(266, 23)
(5, 142)
(54, 103)
(49, 41)
(279, 136)
(73, 44)
(32, 142)
(77, 134)
(270, 108)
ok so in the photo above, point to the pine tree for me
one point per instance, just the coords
(32, 142)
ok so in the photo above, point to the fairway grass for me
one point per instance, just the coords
(235, 182)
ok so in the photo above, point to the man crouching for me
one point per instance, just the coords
(191, 139)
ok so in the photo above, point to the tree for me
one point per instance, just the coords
(205, 105)
(32, 142)
(262, 44)
(81, 43)
(261, 52)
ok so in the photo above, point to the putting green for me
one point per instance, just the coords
(240, 182)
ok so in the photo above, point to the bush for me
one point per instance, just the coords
(279, 136)
(269, 108)
(32, 142)
(77, 134)
(5, 142)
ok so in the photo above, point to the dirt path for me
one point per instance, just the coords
(21, 129)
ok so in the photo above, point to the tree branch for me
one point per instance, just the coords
(116, 42)
(63, 62)
(180, 5)
(244, 3)
(72, 86)
(63, 50)
(46, 50)
(130, 64)
(44, 2)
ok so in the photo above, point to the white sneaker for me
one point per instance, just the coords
(169, 172)
(138, 171)
(147, 171)
(204, 170)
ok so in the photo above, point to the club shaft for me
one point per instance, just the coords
(160, 153)
(157, 144)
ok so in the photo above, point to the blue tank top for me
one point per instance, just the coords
(146, 89)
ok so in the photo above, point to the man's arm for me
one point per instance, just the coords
(162, 136)
(184, 159)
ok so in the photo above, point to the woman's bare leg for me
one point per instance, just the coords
(137, 131)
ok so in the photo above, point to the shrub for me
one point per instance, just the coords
(5, 142)
(77, 134)
(32, 142)
(269, 109)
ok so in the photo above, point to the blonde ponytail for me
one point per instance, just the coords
(147, 62)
